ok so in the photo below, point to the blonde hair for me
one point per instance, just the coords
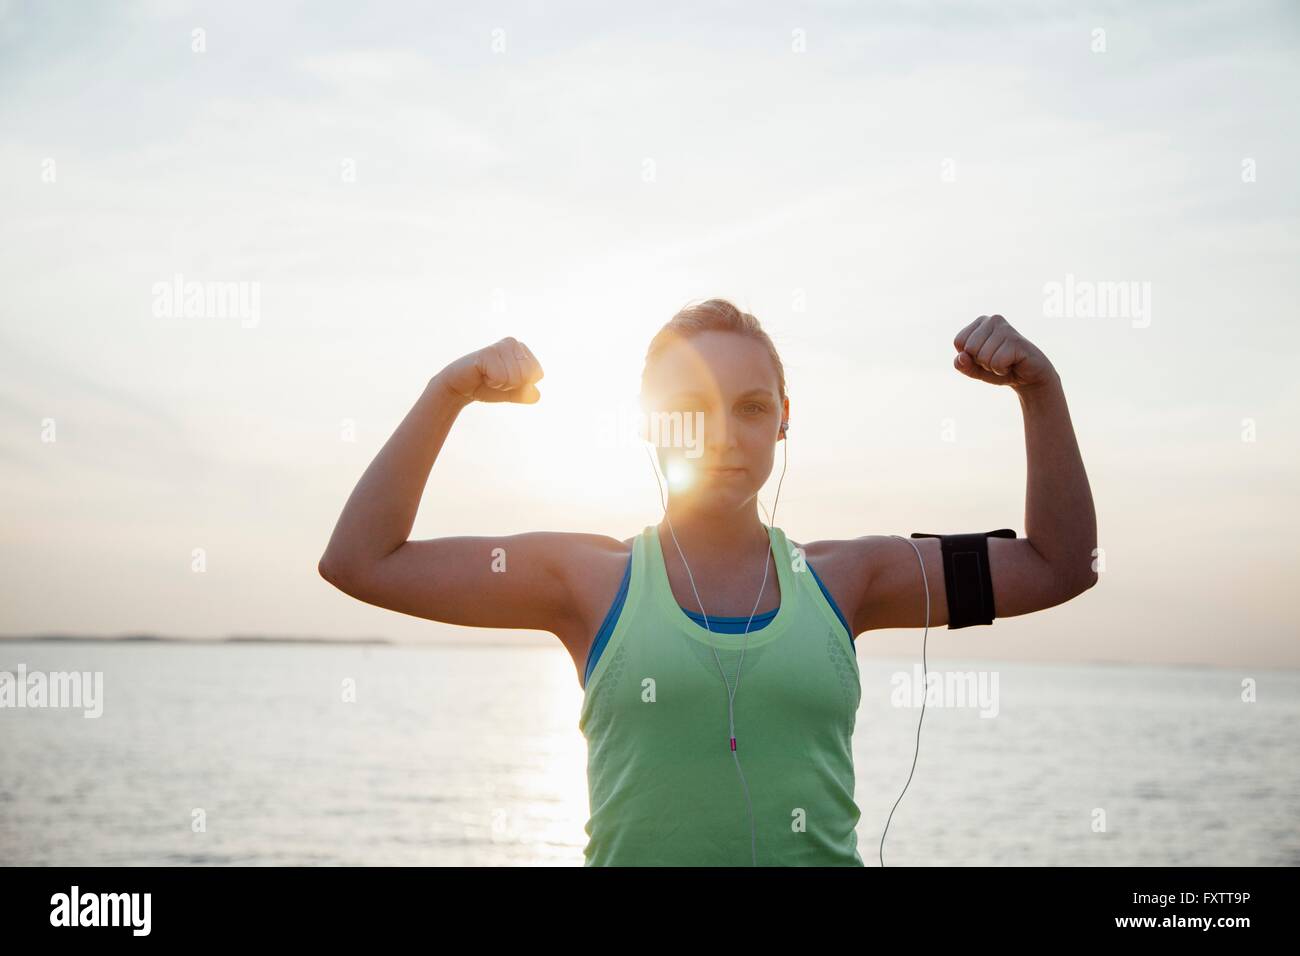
(714, 315)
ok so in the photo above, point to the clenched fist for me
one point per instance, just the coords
(990, 350)
(503, 372)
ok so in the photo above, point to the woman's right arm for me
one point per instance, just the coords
(511, 581)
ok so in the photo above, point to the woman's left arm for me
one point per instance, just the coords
(1060, 520)
(1054, 561)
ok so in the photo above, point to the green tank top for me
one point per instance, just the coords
(661, 777)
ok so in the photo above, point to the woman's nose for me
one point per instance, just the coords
(718, 431)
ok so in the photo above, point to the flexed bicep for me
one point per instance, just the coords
(970, 579)
(900, 574)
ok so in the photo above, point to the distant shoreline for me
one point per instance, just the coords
(163, 639)
(265, 639)
(537, 641)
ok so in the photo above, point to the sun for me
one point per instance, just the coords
(679, 475)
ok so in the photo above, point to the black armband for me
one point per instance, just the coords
(967, 580)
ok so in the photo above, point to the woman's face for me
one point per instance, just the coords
(714, 411)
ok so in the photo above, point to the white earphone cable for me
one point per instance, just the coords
(731, 690)
(925, 581)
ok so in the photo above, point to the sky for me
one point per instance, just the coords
(398, 185)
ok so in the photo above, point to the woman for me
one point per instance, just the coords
(688, 763)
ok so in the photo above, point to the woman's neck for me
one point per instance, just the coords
(710, 537)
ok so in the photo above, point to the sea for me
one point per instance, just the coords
(257, 753)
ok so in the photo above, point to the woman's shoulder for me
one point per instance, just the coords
(593, 580)
(843, 565)
(589, 552)
(835, 552)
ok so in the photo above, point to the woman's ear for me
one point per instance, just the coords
(785, 419)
